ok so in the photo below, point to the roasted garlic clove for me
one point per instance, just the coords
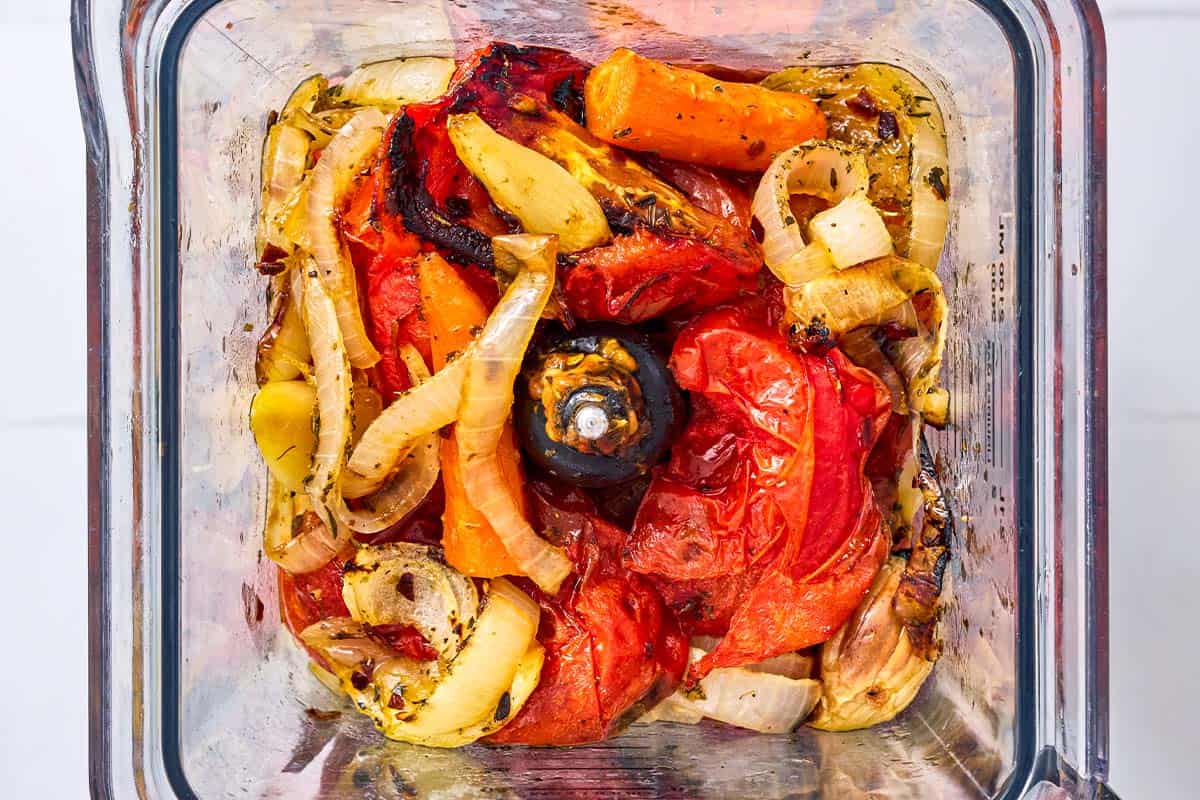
(871, 669)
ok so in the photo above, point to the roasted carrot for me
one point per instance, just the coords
(454, 313)
(642, 104)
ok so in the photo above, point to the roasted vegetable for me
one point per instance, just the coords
(493, 363)
(394, 83)
(407, 584)
(762, 528)
(419, 701)
(526, 184)
(282, 352)
(893, 119)
(643, 104)
(668, 253)
(870, 669)
(454, 313)
(756, 699)
(612, 649)
(281, 419)
(869, 294)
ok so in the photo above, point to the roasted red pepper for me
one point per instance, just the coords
(762, 528)
(670, 252)
(609, 640)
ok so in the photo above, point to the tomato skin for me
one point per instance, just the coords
(648, 273)
(309, 598)
(609, 640)
(763, 527)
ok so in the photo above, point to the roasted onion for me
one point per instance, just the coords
(404, 584)
(528, 185)
(870, 669)
(421, 410)
(394, 83)
(386, 502)
(487, 400)
(428, 703)
(868, 294)
(347, 154)
(294, 537)
(335, 400)
(757, 700)
(825, 169)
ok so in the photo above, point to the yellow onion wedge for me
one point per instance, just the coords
(851, 232)
(484, 670)
(827, 169)
(487, 399)
(395, 83)
(348, 153)
(400, 493)
(434, 704)
(285, 157)
(421, 410)
(870, 669)
(753, 699)
(525, 680)
(869, 294)
(403, 584)
(930, 188)
(335, 401)
(294, 537)
(383, 684)
(282, 352)
(528, 185)
(386, 502)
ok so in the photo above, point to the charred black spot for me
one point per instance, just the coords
(568, 98)
(457, 207)
(405, 587)
(408, 198)
(503, 708)
(359, 680)
(888, 127)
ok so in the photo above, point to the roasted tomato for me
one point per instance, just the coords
(671, 253)
(611, 645)
(762, 528)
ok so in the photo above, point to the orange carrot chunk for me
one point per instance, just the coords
(642, 104)
(455, 313)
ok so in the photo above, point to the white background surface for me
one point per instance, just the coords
(1154, 279)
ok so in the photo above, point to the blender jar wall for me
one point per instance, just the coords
(199, 694)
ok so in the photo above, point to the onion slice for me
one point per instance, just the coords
(421, 410)
(285, 157)
(487, 399)
(335, 399)
(852, 232)
(398, 82)
(827, 169)
(430, 703)
(930, 176)
(407, 487)
(349, 152)
(869, 294)
(400, 494)
(403, 584)
(756, 700)
(295, 540)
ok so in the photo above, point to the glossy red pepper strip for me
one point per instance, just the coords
(609, 640)
(763, 527)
